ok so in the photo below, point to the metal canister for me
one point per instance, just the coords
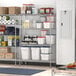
(4, 43)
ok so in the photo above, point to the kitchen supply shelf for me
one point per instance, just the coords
(26, 31)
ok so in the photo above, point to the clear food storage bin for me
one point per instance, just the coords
(25, 53)
(35, 53)
(43, 32)
(41, 40)
(48, 39)
(38, 25)
(52, 39)
(45, 50)
(45, 57)
(51, 18)
(46, 24)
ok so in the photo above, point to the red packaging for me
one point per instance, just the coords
(2, 27)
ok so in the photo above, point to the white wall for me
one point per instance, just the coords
(20, 2)
(68, 43)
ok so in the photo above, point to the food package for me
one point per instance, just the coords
(2, 55)
(14, 10)
(3, 10)
(9, 55)
(5, 50)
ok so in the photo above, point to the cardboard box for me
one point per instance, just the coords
(2, 55)
(5, 50)
(14, 10)
(9, 55)
(3, 10)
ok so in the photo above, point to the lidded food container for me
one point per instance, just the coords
(28, 8)
(52, 39)
(42, 10)
(38, 24)
(48, 10)
(46, 24)
(51, 18)
(43, 32)
(41, 40)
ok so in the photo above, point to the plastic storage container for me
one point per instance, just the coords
(45, 57)
(52, 39)
(45, 50)
(48, 39)
(41, 40)
(51, 18)
(38, 25)
(35, 51)
(43, 32)
(25, 52)
(46, 24)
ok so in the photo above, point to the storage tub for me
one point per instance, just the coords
(46, 24)
(35, 53)
(45, 50)
(45, 57)
(41, 40)
(25, 52)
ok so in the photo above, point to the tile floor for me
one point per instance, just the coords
(47, 71)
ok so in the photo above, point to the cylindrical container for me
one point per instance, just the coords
(42, 10)
(51, 18)
(35, 53)
(4, 43)
(46, 24)
(41, 40)
(48, 10)
(52, 39)
(43, 32)
(38, 25)
(45, 50)
(48, 39)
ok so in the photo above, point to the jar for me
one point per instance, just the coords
(41, 40)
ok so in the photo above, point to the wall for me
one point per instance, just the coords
(68, 44)
(20, 2)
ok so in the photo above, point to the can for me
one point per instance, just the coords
(4, 43)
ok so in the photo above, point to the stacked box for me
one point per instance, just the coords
(9, 55)
(5, 50)
(14, 10)
(3, 10)
(2, 55)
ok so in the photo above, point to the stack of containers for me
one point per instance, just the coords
(5, 53)
(45, 53)
(29, 9)
(25, 52)
(35, 53)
